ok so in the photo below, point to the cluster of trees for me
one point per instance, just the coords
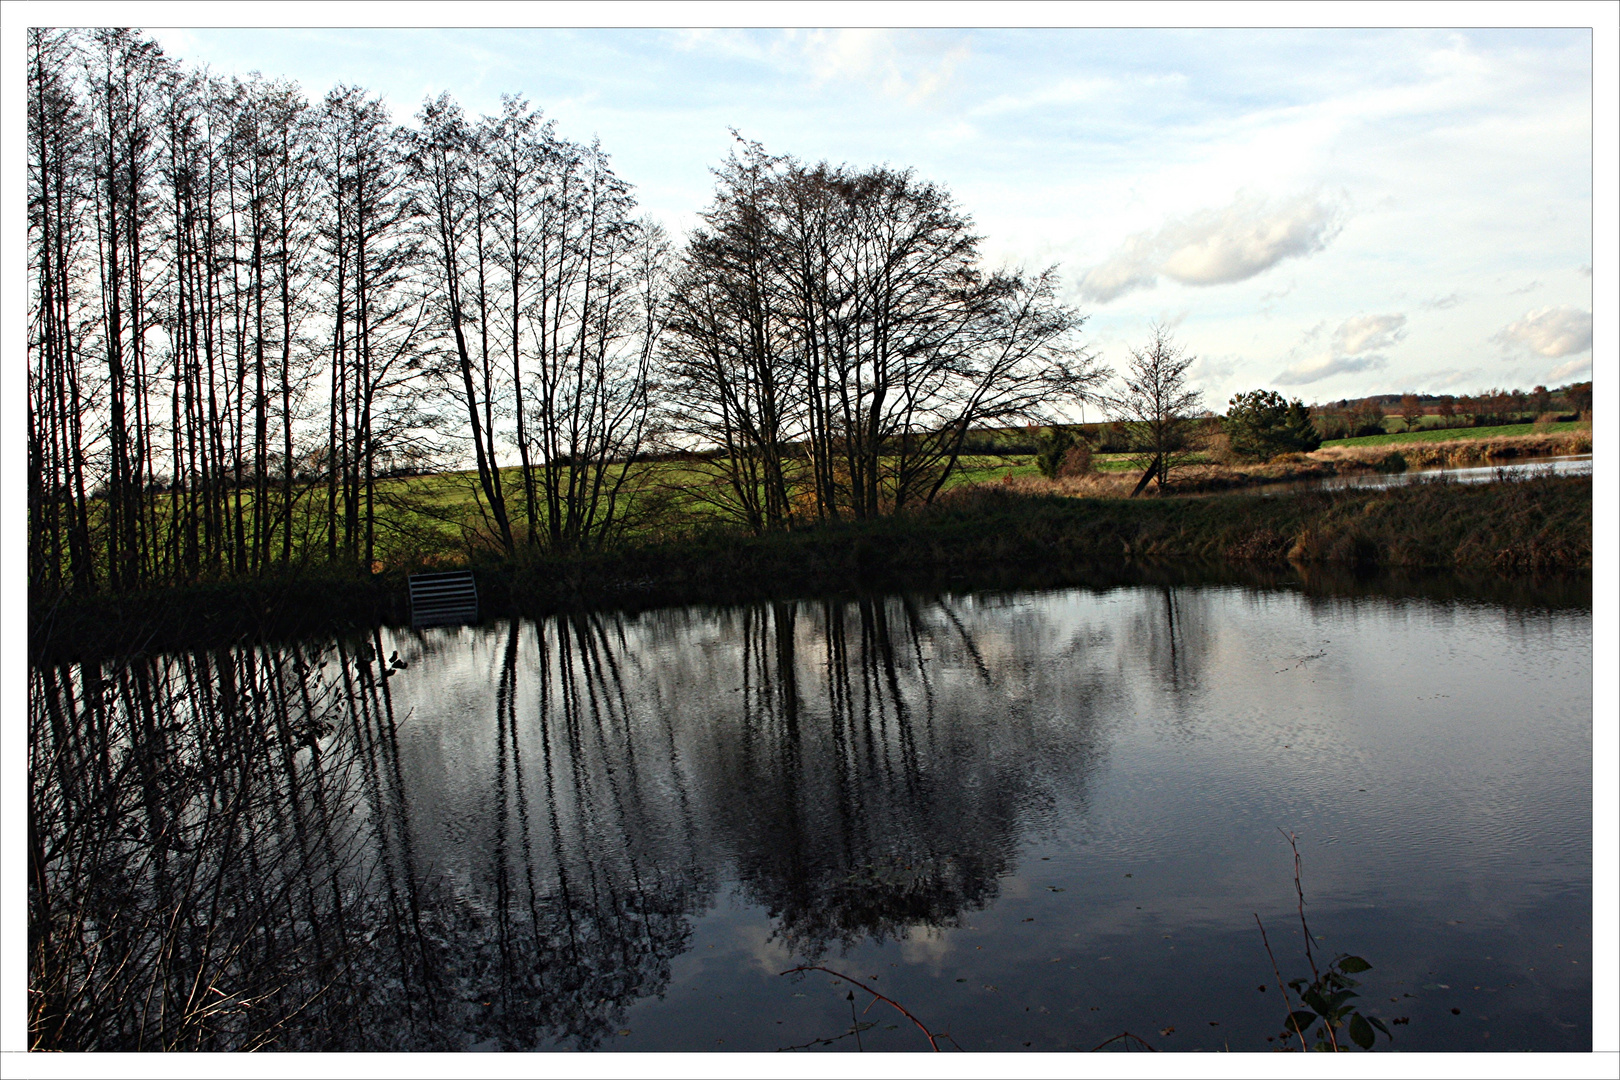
(832, 332)
(185, 232)
(247, 308)
(1262, 424)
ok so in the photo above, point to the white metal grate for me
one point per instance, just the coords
(444, 598)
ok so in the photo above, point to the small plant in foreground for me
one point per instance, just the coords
(1328, 1008)
(1327, 995)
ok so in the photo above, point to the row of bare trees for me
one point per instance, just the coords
(248, 309)
(181, 229)
(546, 300)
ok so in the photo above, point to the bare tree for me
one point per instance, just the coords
(376, 316)
(523, 160)
(906, 342)
(732, 379)
(448, 201)
(60, 544)
(835, 340)
(589, 398)
(1411, 411)
(1447, 410)
(549, 292)
(1157, 408)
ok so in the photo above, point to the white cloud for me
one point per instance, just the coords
(1242, 241)
(852, 53)
(1447, 378)
(1327, 364)
(1552, 331)
(1211, 372)
(874, 57)
(1216, 246)
(1352, 350)
(730, 43)
(1367, 332)
(1278, 294)
(1065, 93)
(1134, 266)
(1574, 367)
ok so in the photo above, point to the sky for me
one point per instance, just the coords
(1326, 213)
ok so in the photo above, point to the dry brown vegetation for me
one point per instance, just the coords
(1453, 453)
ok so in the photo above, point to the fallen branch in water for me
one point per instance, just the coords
(856, 982)
(1123, 1035)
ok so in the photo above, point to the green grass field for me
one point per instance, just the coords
(431, 517)
(441, 503)
(1445, 434)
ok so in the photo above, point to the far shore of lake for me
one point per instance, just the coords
(987, 536)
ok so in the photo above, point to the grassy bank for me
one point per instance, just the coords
(1453, 434)
(992, 536)
(1331, 460)
(1436, 448)
(440, 517)
(1484, 449)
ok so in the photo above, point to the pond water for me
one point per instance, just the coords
(1565, 465)
(1035, 820)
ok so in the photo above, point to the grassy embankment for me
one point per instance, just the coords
(437, 519)
(1440, 447)
(990, 536)
(1452, 434)
(440, 517)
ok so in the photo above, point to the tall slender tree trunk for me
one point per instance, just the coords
(286, 358)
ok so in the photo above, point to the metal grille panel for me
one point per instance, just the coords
(443, 599)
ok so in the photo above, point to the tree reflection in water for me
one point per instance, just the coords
(313, 847)
(870, 795)
(200, 873)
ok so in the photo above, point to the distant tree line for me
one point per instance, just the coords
(1347, 418)
(247, 308)
(1160, 423)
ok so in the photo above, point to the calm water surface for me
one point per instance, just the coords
(1036, 820)
(1565, 465)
